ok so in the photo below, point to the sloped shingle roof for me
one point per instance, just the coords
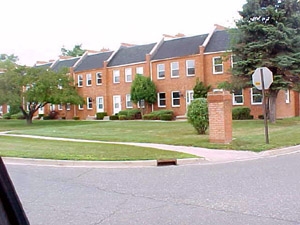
(180, 47)
(66, 63)
(46, 65)
(134, 54)
(220, 41)
(94, 61)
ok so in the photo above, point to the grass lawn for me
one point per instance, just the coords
(248, 135)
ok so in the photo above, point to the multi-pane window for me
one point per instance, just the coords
(59, 107)
(116, 76)
(128, 101)
(190, 67)
(1, 110)
(89, 103)
(98, 78)
(52, 107)
(141, 104)
(140, 70)
(174, 69)
(287, 96)
(217, 65)
(89, 79)
(80, 81)
(68, 106)
(161, 71)
(100, 104)
(237, 97)
(175, 98)
(80, 107)
(161, 99)
(256, 96)
(128, 75)
(234, 59)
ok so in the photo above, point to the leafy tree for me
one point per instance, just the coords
(198, 115)
(200, 90)
(33, 88)
(12, 58)
(76, 51)
(8, 61)
(268, 35)
(143, 89)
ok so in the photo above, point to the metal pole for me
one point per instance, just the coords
(264, 106)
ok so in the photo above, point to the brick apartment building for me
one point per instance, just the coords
(173, 64)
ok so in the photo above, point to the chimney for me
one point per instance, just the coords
(219, 27)
(65, 57)
(179, 35)
(105, 50)
(168, 36)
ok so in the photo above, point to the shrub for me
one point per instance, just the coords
(159, 115)
(76, 118)
(167, 117)
(53, 115)
(198, 115)
(241, 113)
(131, 114)
(114, 117)
(122, 117)
(149, 117)
(100, 115)
(41, 115)
(7, 116)
(19, 116)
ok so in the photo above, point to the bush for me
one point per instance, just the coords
(131, 114)
(7, 116)
(100, 115)
(241, 113)
(114, 117)
(122, 117)
(41, 115)
(76, 118)
(198, 115)
(52, 115)
(159, 115)
(19, 116)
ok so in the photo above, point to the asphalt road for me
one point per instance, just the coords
(261, 191)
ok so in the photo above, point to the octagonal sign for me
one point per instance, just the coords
(267, 78)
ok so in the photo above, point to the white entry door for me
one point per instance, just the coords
(189, 98)
(100, 104)
(117, 103)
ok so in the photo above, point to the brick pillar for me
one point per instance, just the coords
(220, 117)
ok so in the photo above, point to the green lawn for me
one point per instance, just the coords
(248, 135)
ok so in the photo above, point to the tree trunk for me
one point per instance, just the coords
(272, 105)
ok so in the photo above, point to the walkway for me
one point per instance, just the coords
(209, 155)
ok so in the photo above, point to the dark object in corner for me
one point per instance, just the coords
(11, 210)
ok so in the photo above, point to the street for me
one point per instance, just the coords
(261, 191)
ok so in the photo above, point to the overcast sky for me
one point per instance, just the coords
(36, 30)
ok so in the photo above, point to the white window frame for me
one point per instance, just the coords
(88, 79)
(140, 70)
(235, 95)
(161, 71)
(175, 98)
(128, 75)
(287, 96)
(174, 69)
(116, 76)
(100, 102)
(98, 78)
(68, 106)
(142, 105)
(233, 62)
(59, 107)
(80, 107)
(188, 67)
(80, 80)
(159, 99)
(129, 104)
(252, 98)
(215, 65)
(89, 103)
(51, 107)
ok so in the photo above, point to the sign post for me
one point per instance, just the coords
(262, 79)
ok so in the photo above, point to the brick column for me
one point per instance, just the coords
(220, 117)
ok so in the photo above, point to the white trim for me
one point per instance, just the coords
(171, 69)
(157, 71)
(126, 74)
(175, 98)
(214, 65)
(186, 67)
(158, 100)
(255, 103)
(128, 100)
(287, 96)
(98, 102)
(233, 98)
(136, 72)
(97, 83)
(115, 76)
(80, 107)
(79, 75)
(87, 102)
(210, 53)
(88, 77)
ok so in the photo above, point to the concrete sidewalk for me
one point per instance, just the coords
(209, 155)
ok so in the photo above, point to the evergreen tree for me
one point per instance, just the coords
(268, 35)
(200, 90)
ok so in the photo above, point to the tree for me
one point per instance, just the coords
(143, 89)
(12, 58)
(200, 90)
(198, 115)
(76, 51)
(268, 35)
(33, 88)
